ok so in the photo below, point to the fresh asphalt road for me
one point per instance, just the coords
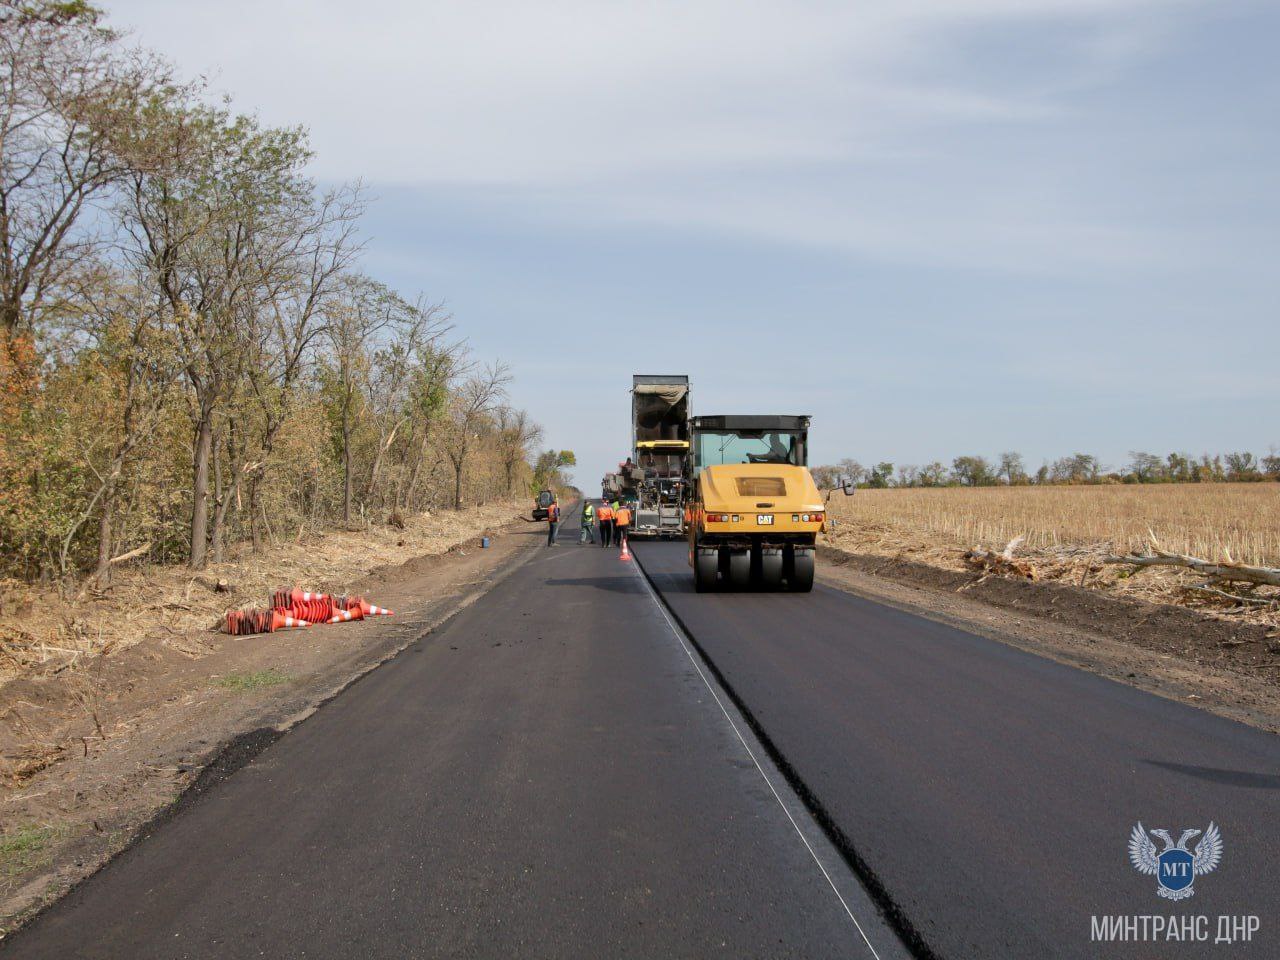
(546, 775)
(991, 792)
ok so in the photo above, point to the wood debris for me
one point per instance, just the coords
(1003, 563)
(1222, 571)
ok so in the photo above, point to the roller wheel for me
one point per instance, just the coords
(802, 572)
(770, 569)
(704, 572)
(740, 569)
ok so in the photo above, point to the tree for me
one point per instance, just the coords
(933, 474)
(1145, 467)
(354, 319)
(1241, 467)
(879, 475)
(1271, 465)
(517, 433)
(973, 471)
(229, 230)
(69, 105)
(476, 398)
(852, 470)
(1012, 468)
(826, 477)
(548, 472)
(1078, 468)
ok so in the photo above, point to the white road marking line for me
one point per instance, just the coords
(675, 631)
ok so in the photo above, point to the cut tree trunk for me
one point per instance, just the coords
(1226, 570)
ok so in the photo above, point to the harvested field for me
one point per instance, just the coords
(1070, 530)
(1200, 519)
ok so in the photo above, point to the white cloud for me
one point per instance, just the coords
(781, 121)
(557, 92)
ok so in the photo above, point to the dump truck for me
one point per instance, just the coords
(754, 512)
(652, 478)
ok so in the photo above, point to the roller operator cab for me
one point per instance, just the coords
(756, 513)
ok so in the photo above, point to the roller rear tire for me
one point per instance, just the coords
(802, 567)
(705, 567)
(770, 569)
(740, 569)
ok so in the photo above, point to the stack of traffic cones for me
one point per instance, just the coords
(253, 620)
(292, 607)
(315, 607)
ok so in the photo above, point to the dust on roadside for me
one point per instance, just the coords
(95, 744)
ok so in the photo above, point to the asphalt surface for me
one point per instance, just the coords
(546, 775)
(990, 792)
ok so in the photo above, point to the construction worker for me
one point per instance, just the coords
(604, 516)
(553, 522)
(622, 520)
(588, 523)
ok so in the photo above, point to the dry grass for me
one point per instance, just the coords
(1069, 530)
(41, 630)
(1201, 519)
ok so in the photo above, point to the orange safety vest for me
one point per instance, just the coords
(624, 516)
(553, 513)
(604, 513)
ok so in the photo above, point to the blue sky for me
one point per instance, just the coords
(938, 226)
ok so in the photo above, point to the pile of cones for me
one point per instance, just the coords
(293, 608)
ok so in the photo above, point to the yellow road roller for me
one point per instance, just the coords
(755, 513)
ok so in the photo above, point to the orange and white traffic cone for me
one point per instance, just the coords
(366, 608)
(281, 620)
(342, 616)
(626, 554)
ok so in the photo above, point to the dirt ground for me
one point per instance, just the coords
(98, 744)
(1228, 667)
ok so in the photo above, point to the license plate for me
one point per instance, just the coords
(764, 519)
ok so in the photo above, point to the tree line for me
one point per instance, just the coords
(1009, 469)
(190, 353)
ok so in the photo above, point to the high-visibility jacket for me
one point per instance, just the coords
(624, 516)
(553, 513)
(605, 512)
(588, 513)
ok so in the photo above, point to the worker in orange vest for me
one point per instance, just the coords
(604, 516)
(622, 520)
(553, 522)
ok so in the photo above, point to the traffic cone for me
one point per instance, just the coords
(626, 554)
(282, 620)
(342, 616)
(364, 606)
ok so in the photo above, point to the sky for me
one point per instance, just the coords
(940, 227)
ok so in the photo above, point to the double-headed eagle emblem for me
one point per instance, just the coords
(1175, 867)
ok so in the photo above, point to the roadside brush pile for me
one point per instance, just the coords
(1212, 547)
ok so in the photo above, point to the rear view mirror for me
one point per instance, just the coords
(847, 486)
